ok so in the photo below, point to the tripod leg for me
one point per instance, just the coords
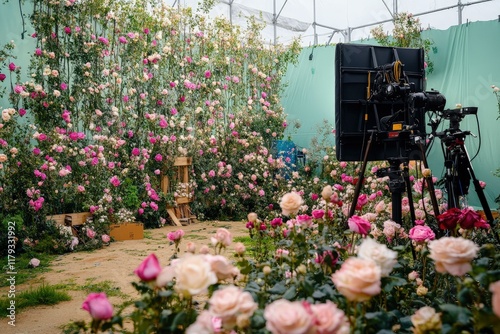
(480, 192)
(361, 178)
(429, 183)
(406, 176)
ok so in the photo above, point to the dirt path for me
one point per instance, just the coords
(113, 264)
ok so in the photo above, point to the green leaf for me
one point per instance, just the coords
(318, 294)
(278, 289)
(290, 293)
(465, 296)
(456, 314)
(252, 287)
(391, 282)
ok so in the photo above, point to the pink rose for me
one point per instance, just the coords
(291, 203)
(233, 306)
(90, 233)
(149, 268)
(329, 319)
(421, 233)
(359, 225)
(318, 213)
(222, 237)
(34, 262)
(286, 317)
(221, 266)
(98, 305)
(362, 200)
(495, 297)
(105, 238)
(358, 279)
(239, 248)
(453, 255)
(175, 235)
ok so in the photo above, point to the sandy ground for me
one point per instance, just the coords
(114, 263)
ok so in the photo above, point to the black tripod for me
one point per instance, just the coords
(459, 171)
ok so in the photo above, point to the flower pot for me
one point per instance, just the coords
(70, 219)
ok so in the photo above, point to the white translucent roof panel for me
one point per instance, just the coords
(334, 17)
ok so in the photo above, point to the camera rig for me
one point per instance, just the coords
(380, 114)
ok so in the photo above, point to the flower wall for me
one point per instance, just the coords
(117, 91)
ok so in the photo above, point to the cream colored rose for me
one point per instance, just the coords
(286, 317)
(380, 254)
(425, 320)
(3, 158)
(329, 319)
(422, 290)
(290, 203)
(232, 306)
(327, 193)
(358, 279)
(252, 217)
(453, 255)
(193, 275)
(202, 325)
(495, 297)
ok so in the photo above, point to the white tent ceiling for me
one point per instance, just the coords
(342, 20)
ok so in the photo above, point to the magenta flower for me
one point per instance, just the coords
(67, 30)
(175, 235)
(90, 233)
(115, 181)
(98, 305)
(122, 40)
(158, 157)
(359, 225)
(208, 74)
(12, 67)
(2, 77)
(149, 269)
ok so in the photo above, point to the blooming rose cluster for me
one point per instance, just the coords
(286, 317)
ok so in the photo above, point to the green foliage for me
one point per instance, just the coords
(407, 33)
(42, 295)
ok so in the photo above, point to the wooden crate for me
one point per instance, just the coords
(181, 213)
(126, 231)
(70, 219)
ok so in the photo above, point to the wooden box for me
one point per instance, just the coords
(126, 231)
(70, 219)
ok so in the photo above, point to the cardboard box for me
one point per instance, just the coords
(126, 231)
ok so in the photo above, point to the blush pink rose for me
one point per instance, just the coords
(329, 319)
(453, 255)
(421, 233)
(290, 203)
(222, 237)
(286, 317)
(149, 268)
(233, 306)
(359, 225)
(222, 267)
(105, 238)
(98, 305)
(358, 279)
(495, 298)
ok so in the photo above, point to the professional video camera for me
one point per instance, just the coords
(388, 100)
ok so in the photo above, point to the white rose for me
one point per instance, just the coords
(194, 275)
(378, 253)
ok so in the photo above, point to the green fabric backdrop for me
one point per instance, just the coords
(466, 64)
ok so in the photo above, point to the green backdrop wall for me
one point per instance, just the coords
(466, 64)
